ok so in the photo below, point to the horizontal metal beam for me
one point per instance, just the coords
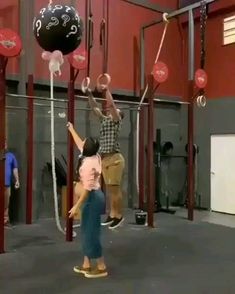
(170, 101)
(66, 100)
(64, 85)
(40, 98)
(148, 5)
(15, 107)
(116, 101)
(177, 13)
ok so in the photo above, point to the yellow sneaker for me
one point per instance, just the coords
(81, 270)
(96, 273)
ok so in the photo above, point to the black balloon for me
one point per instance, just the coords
(58, 27)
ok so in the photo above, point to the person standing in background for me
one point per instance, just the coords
(11, 172)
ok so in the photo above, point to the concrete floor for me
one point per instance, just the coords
(222, 219)
(175, 257)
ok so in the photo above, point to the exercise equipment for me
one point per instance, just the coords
(58, 27)
(103, 81)
(162, 159)
(141, 217)
(160, 67)
(10, 43)
(104, 32)
(160, 74)
(182, 196)
(200, 75)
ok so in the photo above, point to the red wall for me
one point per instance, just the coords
(220, 60)
(9, 18)
(125, 52)
(125, 23)
(124, 29)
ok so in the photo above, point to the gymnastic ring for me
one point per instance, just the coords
(85, 84)
(201, 101)
(165, 19)
(100, 85)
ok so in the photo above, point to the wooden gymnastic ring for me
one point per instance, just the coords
(100, 85)
(201, 101)
(85, 84)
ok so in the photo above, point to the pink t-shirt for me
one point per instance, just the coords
(90, 172)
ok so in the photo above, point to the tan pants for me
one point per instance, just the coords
(112, 168)
(6, 204)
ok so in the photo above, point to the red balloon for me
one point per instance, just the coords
(10, 43)
(78, 58)
(160, 72)
(201, 78)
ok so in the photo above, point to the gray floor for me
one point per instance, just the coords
(176, 257)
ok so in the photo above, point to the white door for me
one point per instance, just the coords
(223, 173)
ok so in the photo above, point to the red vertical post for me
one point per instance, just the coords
(71, 104)
(150, 163)
(190, 151)
(141, 158)
(2, 146)
(29, 185)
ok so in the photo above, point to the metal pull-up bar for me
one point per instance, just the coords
(148, 5)
(178, 13)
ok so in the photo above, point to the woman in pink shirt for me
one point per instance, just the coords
(91, 202)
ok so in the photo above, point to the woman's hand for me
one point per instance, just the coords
(74, 211)
(69, 126)
(102, 88)
(17, 184)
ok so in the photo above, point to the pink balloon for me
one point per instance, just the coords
(57, 54)
(55, 59)
(46, 55)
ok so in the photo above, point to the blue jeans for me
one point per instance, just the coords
(91, 224)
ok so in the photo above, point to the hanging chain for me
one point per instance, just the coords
(203, 18)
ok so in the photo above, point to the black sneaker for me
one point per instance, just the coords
(108, 221)
(116, 223)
